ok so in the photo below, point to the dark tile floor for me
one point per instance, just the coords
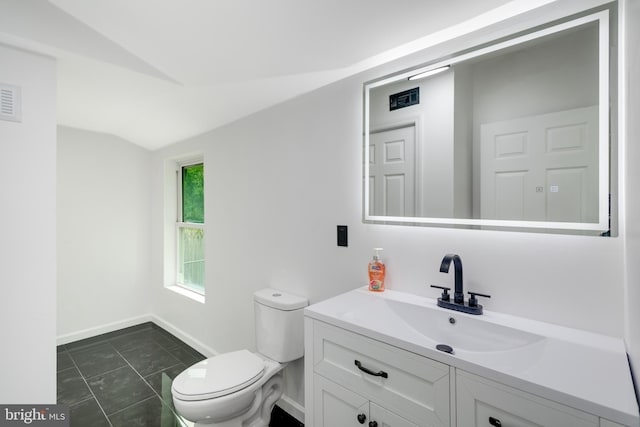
(123, 378)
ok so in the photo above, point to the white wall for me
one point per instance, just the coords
(28, 233)
(278, 183)
(632, 289)
(103, 234)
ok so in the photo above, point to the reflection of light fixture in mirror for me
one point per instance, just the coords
(430, 72)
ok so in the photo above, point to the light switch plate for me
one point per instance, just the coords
(343, 235)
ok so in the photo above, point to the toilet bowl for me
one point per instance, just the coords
(240, 388)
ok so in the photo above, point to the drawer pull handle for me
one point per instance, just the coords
(495, 422)
(382, 374)
(362, 418)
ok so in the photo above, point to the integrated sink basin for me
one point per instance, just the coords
(468, 333)
(421, 319)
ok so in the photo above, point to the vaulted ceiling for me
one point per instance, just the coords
(156, 72)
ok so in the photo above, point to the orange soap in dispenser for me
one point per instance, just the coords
(376, 272)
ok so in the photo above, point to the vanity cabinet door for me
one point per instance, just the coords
(384, 418)
(335, 406)
(484, 403)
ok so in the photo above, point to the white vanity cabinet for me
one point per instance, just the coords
(356, 379)
(370, 361)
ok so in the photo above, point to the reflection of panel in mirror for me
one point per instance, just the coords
(514, 134)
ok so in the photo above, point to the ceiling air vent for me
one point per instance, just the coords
(10, 105)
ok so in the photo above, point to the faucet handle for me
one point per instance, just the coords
(473, 301)
(445, 292)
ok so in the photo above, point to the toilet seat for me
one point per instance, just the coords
(218, 376)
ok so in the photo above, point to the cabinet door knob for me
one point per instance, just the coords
(373, 424)
(495, 422)
(362, 418)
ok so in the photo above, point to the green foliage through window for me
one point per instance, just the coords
(193, 193)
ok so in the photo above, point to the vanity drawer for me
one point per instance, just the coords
(485, 403)
(410, 385)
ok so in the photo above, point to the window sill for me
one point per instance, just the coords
(187, 293)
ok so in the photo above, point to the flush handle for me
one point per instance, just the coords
(495, 422)
(382, 374)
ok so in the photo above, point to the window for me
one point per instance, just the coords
(190, 227)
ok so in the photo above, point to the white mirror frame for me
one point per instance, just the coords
(602, 18)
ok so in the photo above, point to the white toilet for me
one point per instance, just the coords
(239, 389)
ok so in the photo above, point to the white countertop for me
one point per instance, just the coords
(584, 370)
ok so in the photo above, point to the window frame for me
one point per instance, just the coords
(181, 224)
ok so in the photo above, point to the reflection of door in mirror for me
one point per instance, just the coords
(541, 168)
(392, 172)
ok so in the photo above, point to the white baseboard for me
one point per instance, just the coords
(292, 407)
(179, 333)
(102, 329)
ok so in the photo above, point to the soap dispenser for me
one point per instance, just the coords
(376, 272)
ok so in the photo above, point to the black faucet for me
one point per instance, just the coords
(458, 294)
(458, 303)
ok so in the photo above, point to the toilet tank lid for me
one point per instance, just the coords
(280, 300)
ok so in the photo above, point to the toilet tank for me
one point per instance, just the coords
(279, 324)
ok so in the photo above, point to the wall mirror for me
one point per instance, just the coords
(513, 134)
